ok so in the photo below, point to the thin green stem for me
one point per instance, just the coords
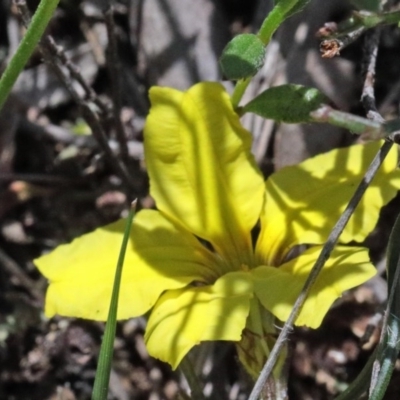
(238, 92)
(272, 22)
(371, 130)
(389, 345)
(372, 20)
(360, 385)
(188, 371)
(25, 49)
(101, 382)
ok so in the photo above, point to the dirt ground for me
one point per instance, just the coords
(56, 182)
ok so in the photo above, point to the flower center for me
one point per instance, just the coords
(244, 267)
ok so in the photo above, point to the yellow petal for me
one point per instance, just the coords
(183, 318)
(303, 202)
(160, 256)
(278, 288)
(201, 171)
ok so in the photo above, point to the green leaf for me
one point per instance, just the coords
(290, 7)
(282, 10)
(287, 103)
(81, 128)
(369, 5)
(242, 57)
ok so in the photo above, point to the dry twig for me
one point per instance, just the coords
(369, 65)
(57, 59)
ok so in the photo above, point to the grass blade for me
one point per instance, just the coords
(388, 349)
(100, 389)
(25, 49)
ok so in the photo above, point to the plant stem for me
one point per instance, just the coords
(193, 380)
(389, 344)
(371, 20)
(370, 130)
(101, 382)
(238, 92)
(25, 49)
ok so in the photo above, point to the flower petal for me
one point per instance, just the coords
(303, 202)
(202, 173)
(278, 288)
(161, 256)
(183, 318)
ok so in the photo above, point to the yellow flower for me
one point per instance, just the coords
(194, 262)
